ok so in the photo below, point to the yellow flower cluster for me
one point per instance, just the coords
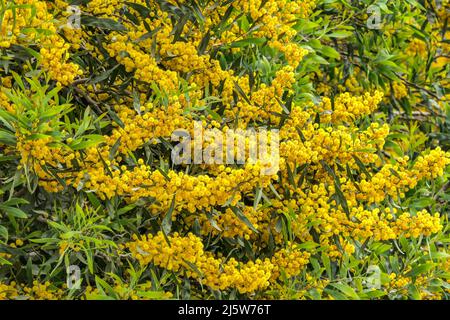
(5, 255)
(192, 192)
(146, 67)
(330, 144)
(289, 261)
(35, 154)
(400, 90)
(41, 29)
(39, 291)
(4, 103)
(293, 52)
(195, 193)
(180, 57)
(43, 291)
(360, 224)
(395, 179)
(104, 8)
(8, 292)
(177, 252)
(421, 224)
(14, 21)
(321, 190)
(352, 85)
(265, 101)
(148, 125)
(54, 55)
(276, 17)
(416, 47)
(227, 224)
(398, 283)
(346, 107)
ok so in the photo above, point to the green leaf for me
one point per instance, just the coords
(309, 245)
(340, 34)
(211, 221)
(194, 268)
(397, 149)
(327, 264)
(421, 269)
(318, 59)
(102, 23)
(204, 43)
(166, 224)
(241, 92)
(422, 203)
(114, 149)
(4, 232)
(126, 209)
(104, 75)
(15, 202)
(5, 262)
(439, 255)
(246, 42)
(416, 4)
(347, 290)
(15, 212)
(258, 195)
(361, 166)
(243, 218)
(104, 287)
(330, 52)
(143, 11)
(414, 292)
(7, 138)
(87, 141)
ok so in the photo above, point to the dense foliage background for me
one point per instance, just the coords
(91, 93)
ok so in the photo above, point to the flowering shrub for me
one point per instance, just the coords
(94, 207)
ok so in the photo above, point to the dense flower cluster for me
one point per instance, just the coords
(38, 291)
(22, 26)
(88, 124)
(177, 252)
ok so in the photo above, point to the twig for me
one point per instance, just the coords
(89, 99)
(80, 81)
(412, 84)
